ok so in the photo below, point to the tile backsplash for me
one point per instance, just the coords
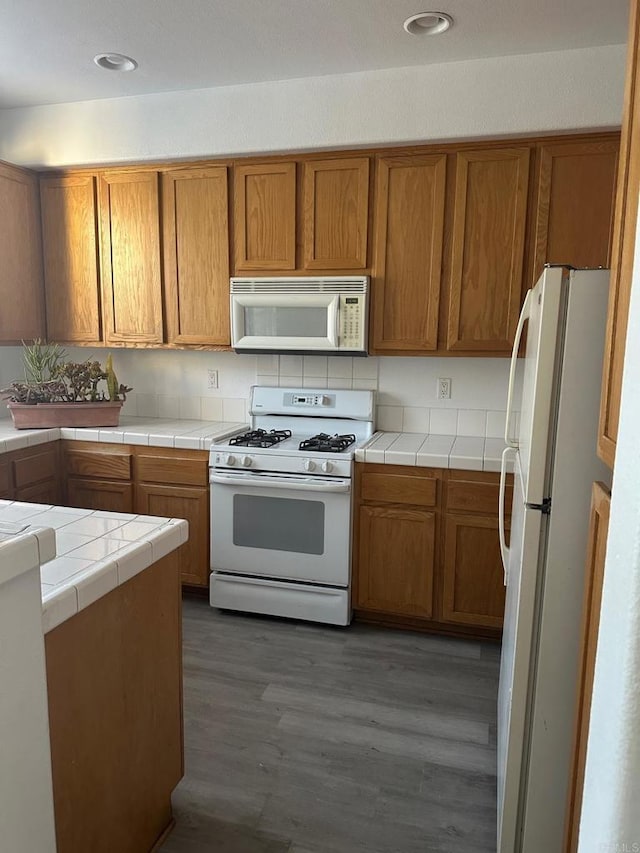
(173, 384)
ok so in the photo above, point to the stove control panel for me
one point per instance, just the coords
(314, 400)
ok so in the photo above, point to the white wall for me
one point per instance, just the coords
(610, 820)
(556, 91)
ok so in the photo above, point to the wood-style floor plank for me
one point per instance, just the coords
(309, 739)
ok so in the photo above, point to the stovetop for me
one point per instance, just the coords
(260, 438)
(293, 430)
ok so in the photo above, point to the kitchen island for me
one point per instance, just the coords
(111, 617)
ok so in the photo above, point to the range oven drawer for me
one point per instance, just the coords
(278, 598)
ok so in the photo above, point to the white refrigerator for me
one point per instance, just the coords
(553, 455)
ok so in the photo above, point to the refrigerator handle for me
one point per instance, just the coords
(504, 551)
(524, 316)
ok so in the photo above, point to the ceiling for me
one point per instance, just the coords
(46, 48)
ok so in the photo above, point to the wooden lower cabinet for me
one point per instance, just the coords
(426, 549)
(106, 495)
(114, 684)
(191, 503)
(5, 480)
(148, 481)
(473, 591)
(594, 578)
(396, 560)
(32, 475)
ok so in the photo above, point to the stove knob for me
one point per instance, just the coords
(327, 466)
(246, 461)
(309, 465)
(230, 460)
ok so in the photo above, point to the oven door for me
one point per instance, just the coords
(285, 321)
(282, 526)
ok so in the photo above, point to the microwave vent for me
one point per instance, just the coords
(329, 284)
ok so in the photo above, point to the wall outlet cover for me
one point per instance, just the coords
(443, 391)
(212, 379)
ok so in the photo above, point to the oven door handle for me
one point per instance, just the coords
(302, 485)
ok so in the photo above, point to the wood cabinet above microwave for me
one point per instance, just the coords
(451, 235)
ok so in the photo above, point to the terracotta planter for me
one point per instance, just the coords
(42, 415)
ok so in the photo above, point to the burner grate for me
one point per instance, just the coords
(323, 443)
(260, 438)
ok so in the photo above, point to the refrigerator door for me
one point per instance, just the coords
(542, 320)
(522, 574)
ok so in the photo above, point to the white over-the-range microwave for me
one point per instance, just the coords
(321, 315)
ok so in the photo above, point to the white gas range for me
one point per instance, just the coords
(281, 504)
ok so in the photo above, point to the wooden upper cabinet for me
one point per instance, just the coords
(576, 187)
(409, 216)
(487, 248)
(131, 262)
(196, 255)
(265, 216)
(70, 252)
(336, 213)
(622, 249)
(22, 314)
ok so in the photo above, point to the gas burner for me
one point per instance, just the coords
(323, 443)
(260, 438)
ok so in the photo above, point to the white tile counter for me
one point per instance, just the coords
(94, 551)
(191, 435)
(469, 453)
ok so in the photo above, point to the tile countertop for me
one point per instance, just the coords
(469, 453)
(94, 551)
(190, 435)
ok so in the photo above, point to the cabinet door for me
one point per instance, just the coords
(622, 249)
(336, 212)
(576, 187)
(487, 249)
(70, 252)
(196, 255)
(191, 503)
(473, 591)
(21, 289)
(5, 480)
(99, 494)
(47, 492)
(594, 576)
(131, 264)
(396, 560)
(265, 216)
(410, 195)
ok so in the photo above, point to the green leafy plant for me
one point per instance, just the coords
(49, 378)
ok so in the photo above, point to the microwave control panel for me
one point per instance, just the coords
(351, 320)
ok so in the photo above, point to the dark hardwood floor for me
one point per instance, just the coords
(307, 739)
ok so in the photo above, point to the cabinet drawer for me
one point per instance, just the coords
(483, 497)
(172, 469)
(102, 465)
(399, 489)
(35, 467)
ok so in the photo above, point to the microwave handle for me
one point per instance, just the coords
(337, 324)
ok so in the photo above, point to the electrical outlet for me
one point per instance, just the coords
(212, 379)
(443, 390)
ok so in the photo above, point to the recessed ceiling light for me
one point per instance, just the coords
(428, 23)
(115, 62)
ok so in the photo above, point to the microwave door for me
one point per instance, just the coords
(285, 321)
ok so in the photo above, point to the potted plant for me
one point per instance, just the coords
(56, 392)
